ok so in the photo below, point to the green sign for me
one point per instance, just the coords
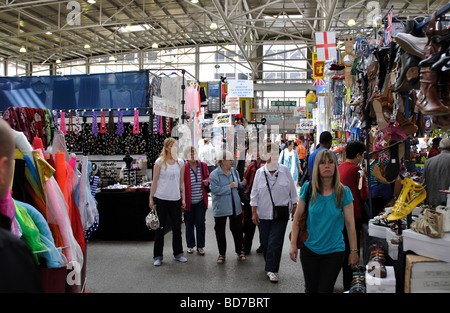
(283, 103)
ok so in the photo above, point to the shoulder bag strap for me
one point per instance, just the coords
(308, 197)
(268, 187)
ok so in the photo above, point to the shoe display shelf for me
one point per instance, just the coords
(437, 248)
(426, 275)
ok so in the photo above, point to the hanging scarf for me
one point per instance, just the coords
(94, 123)
(55, 119)
(77, 125)
(111, 122)
(102, 123)
(120, 124)
(70, 126)
(136, 122)
(63, 123)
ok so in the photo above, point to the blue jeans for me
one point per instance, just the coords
(272, 235)
(195, 217)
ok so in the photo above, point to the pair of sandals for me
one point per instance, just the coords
(199, 250)
(221, 258)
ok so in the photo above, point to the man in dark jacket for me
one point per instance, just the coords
(18, 269)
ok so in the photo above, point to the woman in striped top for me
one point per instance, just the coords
(195, 177)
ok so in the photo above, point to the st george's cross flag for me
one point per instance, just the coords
(326, 45)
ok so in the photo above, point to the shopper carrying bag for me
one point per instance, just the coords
(273, 192)
(167, 192)
(329, 209)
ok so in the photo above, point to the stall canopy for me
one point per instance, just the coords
(75, 92)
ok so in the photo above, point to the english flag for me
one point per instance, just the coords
(326, 45)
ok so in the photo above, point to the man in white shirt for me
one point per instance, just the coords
(208, 155)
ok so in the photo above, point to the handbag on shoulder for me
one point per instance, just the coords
(302, 232)
(280, 212)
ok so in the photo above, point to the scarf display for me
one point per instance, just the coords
(63, 123)
(94, 123)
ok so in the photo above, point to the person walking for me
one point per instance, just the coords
(325, 142)
(330, 207)
(224, 184)
(273, 188)
(353, 177)
(167, 193)
(195, 177)
(249, 226)
(289, 158)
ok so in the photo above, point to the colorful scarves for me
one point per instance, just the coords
(136, 122)
(94, 124)
(120, 124)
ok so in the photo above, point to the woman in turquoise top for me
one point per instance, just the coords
(331, 206)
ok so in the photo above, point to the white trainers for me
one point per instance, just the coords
(157, 262)
(181, 259)
(272, 277)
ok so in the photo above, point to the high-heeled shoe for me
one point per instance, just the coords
(431, 224)
(412, 195)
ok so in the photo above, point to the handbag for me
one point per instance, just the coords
(280, 212)
(207, 188)
(302, 232)
(152, 220)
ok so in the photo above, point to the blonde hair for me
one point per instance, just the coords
(317, 182)
(163, 155)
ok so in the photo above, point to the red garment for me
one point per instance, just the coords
(433, 152)
(249, 174)
(187, 184)
(350, 178)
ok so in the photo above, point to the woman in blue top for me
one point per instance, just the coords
(331, 206)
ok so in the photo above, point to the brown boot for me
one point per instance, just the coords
(405, 125)
(428, 99)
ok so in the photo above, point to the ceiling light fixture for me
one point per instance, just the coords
(213, 26)
(23, 49)
(194, 1)
(58, 61)
(48, 32)
(91, 1)
(351, 22)
(87, 46)
(155, 45)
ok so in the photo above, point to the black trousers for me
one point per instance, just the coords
(171, 209)
(236, 231)
(320, 270)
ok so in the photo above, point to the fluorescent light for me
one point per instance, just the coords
(194, 1)
(23, 49)
(213, 26)
(351, 22)
(87, 46)
(155, 45)
(134, 28)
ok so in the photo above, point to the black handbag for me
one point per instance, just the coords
(280, 212)
(208, 190)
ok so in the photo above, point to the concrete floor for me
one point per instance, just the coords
(127, 267)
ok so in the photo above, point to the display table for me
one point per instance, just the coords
(122, 215)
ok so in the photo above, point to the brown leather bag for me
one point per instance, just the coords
(303, 233)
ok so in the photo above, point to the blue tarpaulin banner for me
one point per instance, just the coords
(75, 92)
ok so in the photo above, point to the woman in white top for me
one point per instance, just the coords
(168, 196)
(273, 186)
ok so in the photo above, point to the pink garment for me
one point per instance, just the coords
(8, 208)
(62, 127)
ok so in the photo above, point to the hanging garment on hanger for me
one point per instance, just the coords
(136, 122)
(57, 205)
(29, 231)
(120, 123)
(94, 124)
(54, 257)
